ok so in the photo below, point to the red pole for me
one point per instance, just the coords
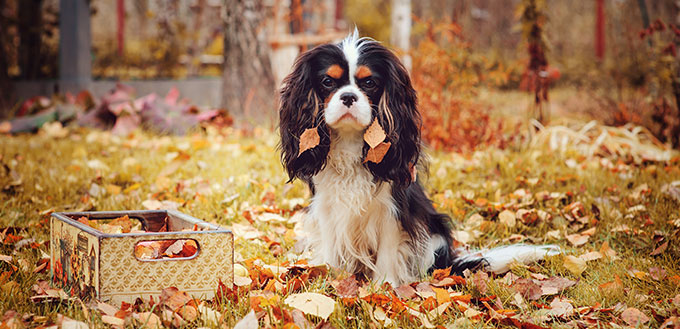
(599, 30)
(120, 6)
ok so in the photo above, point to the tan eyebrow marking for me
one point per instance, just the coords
(335, 71)
(363, 72)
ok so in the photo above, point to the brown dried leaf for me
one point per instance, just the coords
(147, 319)
(528, 288)
(560, 307)
(174, 298)
(346, 288)
(308, 140)
(593, 255)
(405, 292)
(657, 273)
(374, 135)
(555, 285)
(608, 251)
(113, 321)
(577, 239)
(507, 218)
(107, 309)
(660, 249)
(377, 154)
(480, 279)
(188, 312)
(612, 287)
(633, 317)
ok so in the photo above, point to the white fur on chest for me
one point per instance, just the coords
(352, 222)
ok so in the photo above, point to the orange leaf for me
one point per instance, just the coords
(442, 295)
(613, 287)
(378, 153)
(374, 135)
(309, 139)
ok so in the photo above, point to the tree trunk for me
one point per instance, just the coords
(5, 83)
(30, 34)
(401, 29)
(599, 30)
(248, 90)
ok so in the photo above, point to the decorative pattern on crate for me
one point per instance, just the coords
(121, 272)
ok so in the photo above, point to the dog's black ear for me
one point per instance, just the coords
(398, 114)
(300, 109)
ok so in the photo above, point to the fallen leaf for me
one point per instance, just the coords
(188, 312)
(378, 153)
(633, 317)
(613, 287)
(673, 323)
(608, 251)
(660, 249)
(528, 288)
(73, 324)
(507, 218)
(374, 135)
(560, 307)
(300, 320)
(577, 239)
(346, 288)
(405, 291)
(555, 285)
(174, 298)
(593, 255)
(480, 279)
(308, 140)
(147, 319)
(5, 127)
(114, 321)
(574, 264)
(170, 318)
(657, 273)
(312, 303)
(442, 295)
(380, 316)
(106, 309)
(209, 315)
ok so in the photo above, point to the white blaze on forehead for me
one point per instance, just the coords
(351, 46)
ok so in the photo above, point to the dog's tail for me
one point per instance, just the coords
(499, 260)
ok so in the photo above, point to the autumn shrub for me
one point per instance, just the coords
(656, 102)
(446, 73)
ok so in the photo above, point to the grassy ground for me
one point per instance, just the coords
(225, 176)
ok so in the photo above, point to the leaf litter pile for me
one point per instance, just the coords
(146, 250)
(609, 197)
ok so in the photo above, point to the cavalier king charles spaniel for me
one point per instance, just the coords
(369, 217)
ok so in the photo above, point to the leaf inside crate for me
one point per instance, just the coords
(123, 224)
(165, 249)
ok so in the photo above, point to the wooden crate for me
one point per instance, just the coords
(89, 263)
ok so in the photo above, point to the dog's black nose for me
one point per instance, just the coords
(348, 98)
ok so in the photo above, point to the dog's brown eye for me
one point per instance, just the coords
(328, 82)
(368, 83)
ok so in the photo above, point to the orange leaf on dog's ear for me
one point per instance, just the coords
(309, 139)
(374, 135)
(378, 153)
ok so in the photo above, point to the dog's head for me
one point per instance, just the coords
(341, 89)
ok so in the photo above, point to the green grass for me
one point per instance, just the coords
(229, 172)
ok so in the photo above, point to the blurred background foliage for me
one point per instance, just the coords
(459, 49)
